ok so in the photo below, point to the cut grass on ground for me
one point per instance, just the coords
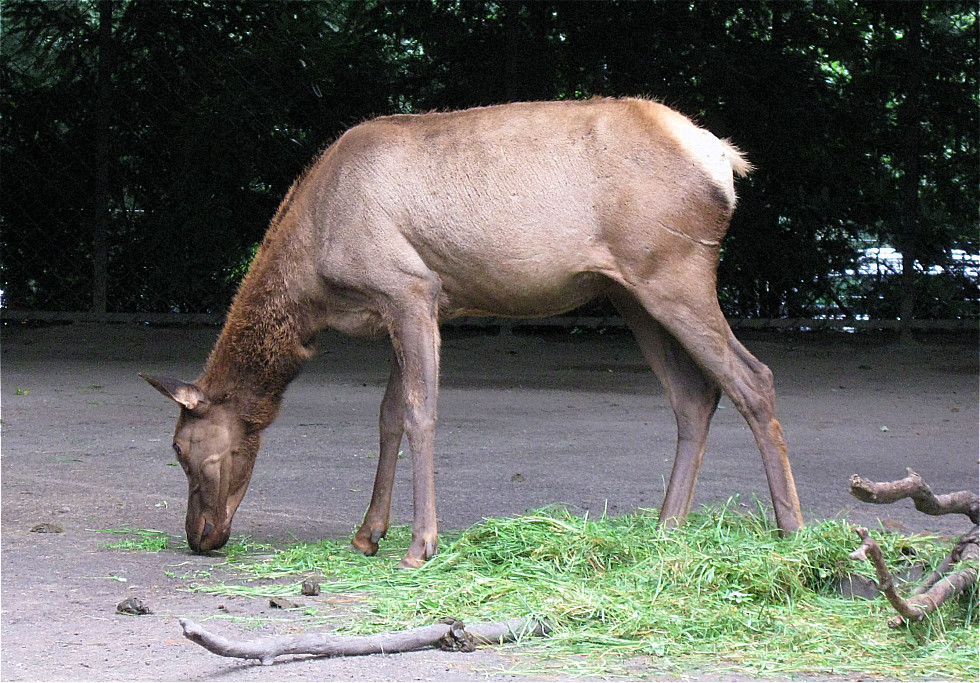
(723, 594)
(147, 540)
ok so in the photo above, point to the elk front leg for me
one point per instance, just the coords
(391, 427)
(415, 336)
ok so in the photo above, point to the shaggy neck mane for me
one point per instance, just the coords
(265, 341)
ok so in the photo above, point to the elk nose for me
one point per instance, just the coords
(208, 528)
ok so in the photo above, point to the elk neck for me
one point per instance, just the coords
(266, 338)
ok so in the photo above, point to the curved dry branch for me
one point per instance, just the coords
(870, 551)
(938, 586)
(936, 590)
(914, 486)
(966, 548)
(452, 635)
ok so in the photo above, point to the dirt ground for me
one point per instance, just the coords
(86, 446)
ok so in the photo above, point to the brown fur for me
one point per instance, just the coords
(526, 209)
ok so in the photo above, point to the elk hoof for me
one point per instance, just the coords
(409, 562)
(367, 538)
(415, 559)
(366, 547)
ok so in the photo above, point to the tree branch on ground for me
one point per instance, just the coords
(449, 635)
(914, 486)
(939, 585)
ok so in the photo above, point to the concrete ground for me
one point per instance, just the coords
(86, 446)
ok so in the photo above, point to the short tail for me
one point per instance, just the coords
(736, 157)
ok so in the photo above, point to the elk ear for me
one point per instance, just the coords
(187, 395)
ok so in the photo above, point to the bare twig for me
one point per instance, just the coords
(452, 635)
(914, 487)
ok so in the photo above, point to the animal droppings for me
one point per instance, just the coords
(133, 606)
(47, 528)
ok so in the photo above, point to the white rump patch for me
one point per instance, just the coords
(717, 157)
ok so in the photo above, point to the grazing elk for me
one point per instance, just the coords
(523, 210)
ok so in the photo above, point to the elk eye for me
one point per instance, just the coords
(177, 450)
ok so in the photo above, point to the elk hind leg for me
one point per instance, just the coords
(693, 397)
(757, 403)
(692, 316)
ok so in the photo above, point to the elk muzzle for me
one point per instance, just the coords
(204, 536)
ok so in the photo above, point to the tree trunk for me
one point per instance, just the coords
(100, 241)
(910, 163)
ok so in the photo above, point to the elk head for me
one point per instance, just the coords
(217, 453)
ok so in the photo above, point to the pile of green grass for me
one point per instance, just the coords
(724, 593)
(147, 540)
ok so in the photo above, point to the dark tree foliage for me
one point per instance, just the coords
(214, 108)
(154, 149)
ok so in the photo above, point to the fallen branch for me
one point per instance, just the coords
(451, 635)
(933, 592)
(939, 585)
(914, 486)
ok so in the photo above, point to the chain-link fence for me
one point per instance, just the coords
(146, 145)
(145, 150)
